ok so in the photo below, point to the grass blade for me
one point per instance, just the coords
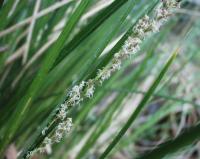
(186, 138)
(139, 107)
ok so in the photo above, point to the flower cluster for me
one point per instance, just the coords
(62, 128)
(144, 25)
(144, 28)
(74, 96)
(164, 11)
(62, 111)
(46, 148)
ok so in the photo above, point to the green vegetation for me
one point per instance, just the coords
(99, 79)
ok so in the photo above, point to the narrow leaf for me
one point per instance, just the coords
(139, 107)
(186, 138)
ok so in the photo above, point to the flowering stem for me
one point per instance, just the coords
(85, 89)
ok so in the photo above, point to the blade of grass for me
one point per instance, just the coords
(142, 130)
(139, 107)
(189, 136)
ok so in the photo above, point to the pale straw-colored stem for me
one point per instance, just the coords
(3, 48)
(18, 53)
(30, 33)
(13, 8)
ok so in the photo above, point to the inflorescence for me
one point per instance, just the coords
(143, 29)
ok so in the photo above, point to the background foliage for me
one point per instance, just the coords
(37, 67)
